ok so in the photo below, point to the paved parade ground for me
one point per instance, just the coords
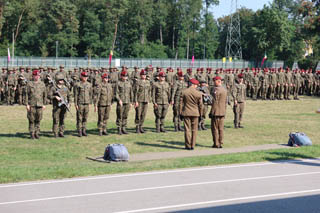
(282, 186)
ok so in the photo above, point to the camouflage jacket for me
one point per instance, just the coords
(104, 94)
(124, 92)
(82, 93)
(36, 94)
(161, 93)
(142, 91)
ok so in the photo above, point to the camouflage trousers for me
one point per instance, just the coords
(287, 91)
(58, 116)
(280, 91)
(21, 93)
(254, 92)
(203, 114)
(34, 116)
(238, 113)
(122, 115)
(103, 116)
(141, 112)
(160, 113)
(295, 90)
(82, 116)
(10, 95)
(176, 113)
(264, 91)
(272, 92)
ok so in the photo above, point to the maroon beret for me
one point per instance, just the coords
(194, 81)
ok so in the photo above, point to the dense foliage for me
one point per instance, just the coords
(156, 29)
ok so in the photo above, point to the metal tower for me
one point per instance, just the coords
(233, 44)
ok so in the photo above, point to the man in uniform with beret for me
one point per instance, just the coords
(124, 97)
(218, 112)
(142, 97)
(35, 103)
(190, 109)
(239, 97)
(59, 92)
(11, 82)
(103, 102)
(82, 99)
(161, 92)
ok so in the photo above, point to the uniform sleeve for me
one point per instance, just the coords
(117, 93)
(131, 95)
(44, 94)
(97, 95)
(200, 104)
(135, 90)
(181, 103)
(75, 92)
(27, 94)
(154, 94)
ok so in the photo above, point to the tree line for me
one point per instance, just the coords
(157, 29)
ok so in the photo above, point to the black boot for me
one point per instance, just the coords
(162, 128)
(79, 133)
(124, 131)
(104, 132)
(55, 135)
(142, 130)
(36, 135)
(32, 136)
(100, 132)
(176, 129)
(138, 130)
(84, 132)
(203, 126)
(199, 127)
(61, 135)
(235, 126)
(157, 129)
(180, 128)
(119, 131)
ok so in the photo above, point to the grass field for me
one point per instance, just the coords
(266, 122)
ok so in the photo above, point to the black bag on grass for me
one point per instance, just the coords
(116, 152)
(299, 139)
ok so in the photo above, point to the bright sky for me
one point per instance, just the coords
(224, 7)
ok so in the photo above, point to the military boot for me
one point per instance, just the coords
(235, 126)
(199, 127)
(142, 130)
(84, 132)
(157, 129)
(124, 131)
(61, 135)
(79, 133)
(32, 136)
(203, 126)
(36, 135)
(176, 128)
(119, 131)
(138, 129)
(100, 132)
(180, 128)
(162, 128)
(55, 134)
(104, 132)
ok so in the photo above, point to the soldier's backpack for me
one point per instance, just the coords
(116, 152)
(299, 139)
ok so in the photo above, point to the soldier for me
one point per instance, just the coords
(229, 83)
(60, 96)
(188, 76)
(124, 97)
(179, 86)
(103, 103)
(254, 86)
(114, 78)
(239, 97)
(134, 77)
(1, 89)
(190, 109)
(287, 84)
(264, 84)
(218, 112)
(296, 82)
(22, 84)
(207, 99)
(280, 81)
(170, 77)
(82, 99)
(210, 77)
(11, 83)
(142, 97)
(272, 84)
(161, 98)
(35, 103)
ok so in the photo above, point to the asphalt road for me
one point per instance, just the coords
(286, 186)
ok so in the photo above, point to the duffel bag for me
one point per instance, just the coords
(116, 152)
(299, 139)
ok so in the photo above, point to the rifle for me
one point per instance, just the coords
(206, 97)
(63, 102)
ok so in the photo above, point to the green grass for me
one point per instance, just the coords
(266, 122)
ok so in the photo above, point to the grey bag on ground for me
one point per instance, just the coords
(116, 152)
(299, 139)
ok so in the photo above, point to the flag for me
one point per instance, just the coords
(224, 60)
(230, 59)
(9, 58)
(192, 61)
(110, 57)
(264, 59)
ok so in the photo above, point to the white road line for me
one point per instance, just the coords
(222, 201)
(155, 188)
(154, 173)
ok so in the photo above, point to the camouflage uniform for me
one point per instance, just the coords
(206, 92)
(176, 93)
(272, 84)
(296, 82)
(239, 97)
(280, 81)
(11, 88)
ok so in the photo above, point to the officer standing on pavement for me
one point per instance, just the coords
(103, 102)
(35, 103)
(190, 109)
(218, 112)
(82, 99)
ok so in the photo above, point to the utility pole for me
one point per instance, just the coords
(233, 44)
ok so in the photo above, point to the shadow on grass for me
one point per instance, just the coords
(159, 145)
(280, 156)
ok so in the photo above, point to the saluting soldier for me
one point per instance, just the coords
(161, 98)
(239, 97)
(142, 97)
(103, 103)
(124, 97)
(190, 109)
(82, 99)
(35, 103)
(179, 86)
(218, 112)
(60, 96)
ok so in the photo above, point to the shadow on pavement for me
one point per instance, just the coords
(308, 204)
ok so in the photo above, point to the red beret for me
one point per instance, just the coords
(240, 75)
(35, 72)
(180, 74)
(162, 74)
(124, 73)
(194, 81)
(143, 72)
(104, 75)
(189, 69)
(198, 69)
(84, 74)
(217, 78)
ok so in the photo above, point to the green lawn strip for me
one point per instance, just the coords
(68, 168)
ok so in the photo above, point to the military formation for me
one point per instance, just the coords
(159, 87)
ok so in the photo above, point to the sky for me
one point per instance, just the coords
(224, 7)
